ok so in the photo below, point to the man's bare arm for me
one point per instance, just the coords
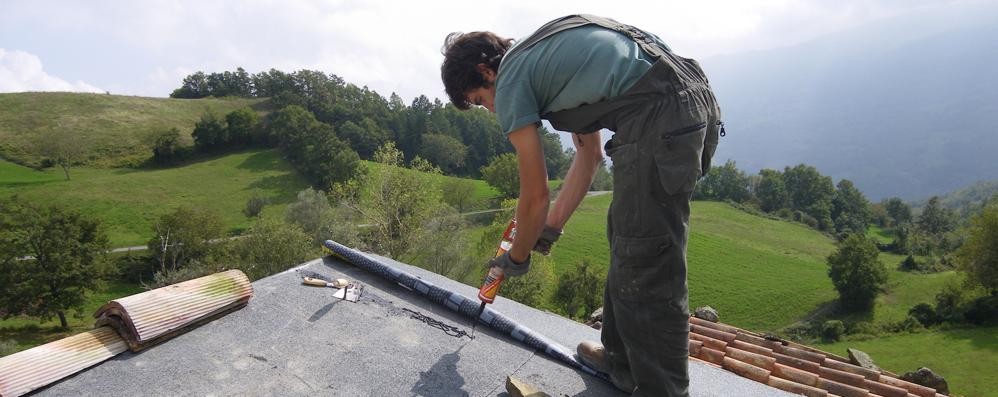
(588, 154)
(532, 208)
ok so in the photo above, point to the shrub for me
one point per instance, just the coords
(255, 205)
(983, 311)
(856, 273)
(272, 246)
(832, 330)
(924, 313)
(950, 303)
(7, 347)
(863, 328)
(580, 291)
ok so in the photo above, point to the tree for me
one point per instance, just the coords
(68, 260)
(440, 246)
(810, 192)
(978, 256)
(503, 174)
(897, 210)
(242, 127)
(311, 212)
(210, 132)
(271, 246)
(936, 220)
(184, 235)
(850, 209)
(726, 182)
(62, 149)
(395, 203)
(446, 152)
(856, 272)
(771, 191)
(365, 137)
(166, 146)
(556, 159)
(603, 180)
(580, 291)
(459, 193)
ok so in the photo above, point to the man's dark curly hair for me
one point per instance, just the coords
(462, 54)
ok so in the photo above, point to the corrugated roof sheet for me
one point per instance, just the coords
(153, 316)
(34, 368)
(792, 367)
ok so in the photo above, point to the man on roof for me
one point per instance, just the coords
(583, 74)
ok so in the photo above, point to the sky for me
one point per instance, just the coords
(146, 48)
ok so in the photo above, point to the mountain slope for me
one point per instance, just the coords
(115, 129)
(905, 107)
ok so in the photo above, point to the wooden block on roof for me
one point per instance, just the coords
(518, 388)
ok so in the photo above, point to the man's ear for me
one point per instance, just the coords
(486, 71)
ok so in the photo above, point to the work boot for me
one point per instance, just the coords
(593, 355)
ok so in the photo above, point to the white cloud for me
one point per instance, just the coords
(388, 45)
(21, 71)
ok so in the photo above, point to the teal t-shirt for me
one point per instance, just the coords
(578, 66)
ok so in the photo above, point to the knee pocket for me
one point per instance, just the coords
(646, 269)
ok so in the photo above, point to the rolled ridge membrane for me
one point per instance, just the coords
(463, 305)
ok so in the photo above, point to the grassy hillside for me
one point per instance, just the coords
(129, 201)
(759, 273)
(114, 128)
(965, 357)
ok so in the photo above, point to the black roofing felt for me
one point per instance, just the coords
(294, 340)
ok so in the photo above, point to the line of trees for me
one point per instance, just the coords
(460, 143)
(800, 193)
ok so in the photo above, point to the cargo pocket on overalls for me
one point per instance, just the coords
(641, 268)
(623, 156)
(678, 156)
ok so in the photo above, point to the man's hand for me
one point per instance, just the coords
(548, 236)
(508, 266)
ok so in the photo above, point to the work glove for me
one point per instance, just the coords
(509, 267)
(548, 236)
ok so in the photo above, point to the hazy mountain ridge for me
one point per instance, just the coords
(906, 107)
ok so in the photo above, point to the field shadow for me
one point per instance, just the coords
(260, 161)
(282, 183)
(982, 337)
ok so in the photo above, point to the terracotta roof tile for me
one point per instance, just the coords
(793, 367)
(854, 369)
(695, 347)
(718, 326)
(801, 354)
(841, 389)
(912, 388)
(809, 366)
(750, 348)
(842, 376)
(758, 360)
(746, 370)
(707, 341)
(794, 387)
(885, 389)
(713, 333)
(796, 375)
(712, 356)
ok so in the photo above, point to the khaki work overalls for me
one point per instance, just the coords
(666, 128)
